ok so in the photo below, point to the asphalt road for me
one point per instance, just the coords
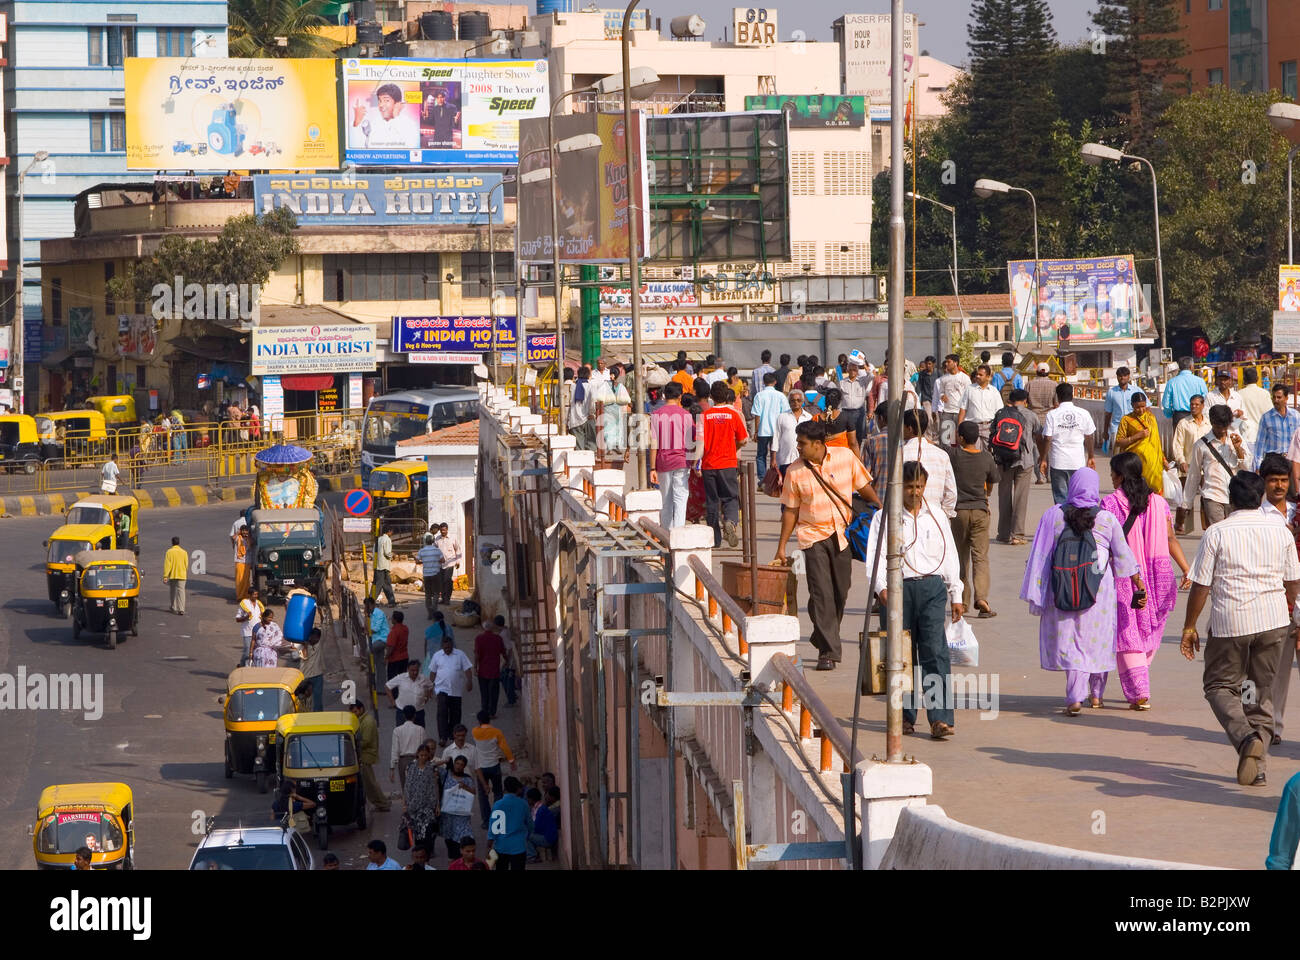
(161, 730)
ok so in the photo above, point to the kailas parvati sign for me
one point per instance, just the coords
(395, 199)
(338, 348)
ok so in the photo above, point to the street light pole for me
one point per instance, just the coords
(16, 340)
(492, 286)
(1290, 230)
(953, 212)
(986, 188)
(633, 242)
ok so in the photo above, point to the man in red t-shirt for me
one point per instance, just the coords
(399, 636)
(724, 434)
(489, 651)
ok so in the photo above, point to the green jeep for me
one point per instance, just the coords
(289, 547)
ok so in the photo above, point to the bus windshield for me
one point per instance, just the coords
(389, 421)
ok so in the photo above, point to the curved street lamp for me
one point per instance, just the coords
(986, 188)
(1282, 116)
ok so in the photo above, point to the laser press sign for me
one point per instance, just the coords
(430, 337)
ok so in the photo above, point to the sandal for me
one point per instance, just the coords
(908, 727)
(1139, 704)
(1074, 709)
(1095, 703)
(986, 612)
(1018, 541)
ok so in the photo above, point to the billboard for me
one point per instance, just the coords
(615, 329)
(540, 348)
(865, 50)
(468, 336)
(655, 295)
(754, 26)
(337, 348)
(816, 110)
(383, 199)
(1098, 297)
(614, 22)
(433, 112)
(213, 114)
(592, 185)
(1288, 288)
(726, 284)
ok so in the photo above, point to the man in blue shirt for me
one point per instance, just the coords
(1176, 401)
(765, 367)
(430, 558)
(1008, 375)
(1276, 427)
(377, 851)
(378, 626)
(510, 826)
(769, 403)
(1119, 403)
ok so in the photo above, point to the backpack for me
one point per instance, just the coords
(1005, 437)
(1075, 580)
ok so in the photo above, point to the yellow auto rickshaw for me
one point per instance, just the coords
(72, 434)
(62, 550)
(108, 594)
(119, 511)
(319, 752)
(118, 411)
(93, 815)
(256, 698)
(400, 487)
(20, 443)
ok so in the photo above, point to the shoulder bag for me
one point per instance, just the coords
(857, 525)
(1217, 455)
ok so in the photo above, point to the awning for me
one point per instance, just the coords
(211, 348)
(52, 361)
(307, 381)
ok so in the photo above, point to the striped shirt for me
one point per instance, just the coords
(940, 483)
(1245, 559)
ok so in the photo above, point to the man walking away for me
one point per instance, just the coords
(1216, 457)
(932, 588)
(1006, 379)
(1189, 430)
(1255, 400)
(508, 834)
(492, 748)
(724, 435)
(764, 367)
(1016, 466)
(383, 568)
(1247, 567)
(976, 474)
(313, 668)
(450, 548)
(397, 649)
(816, 499)
(768, 405)
(580, 424)
(368, 755)
(430, 558)
(1042, 398)
(108, 477)
(1066, 442)
(452, 675)
(489, 652)
(672, 450)
(1175, 401)
(407, 737)
(176, 565)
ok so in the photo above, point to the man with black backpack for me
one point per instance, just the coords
(976, 472)
(1011, 442)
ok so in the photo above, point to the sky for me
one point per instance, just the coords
(943, 34)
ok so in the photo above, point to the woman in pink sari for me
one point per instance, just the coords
(1150, 535)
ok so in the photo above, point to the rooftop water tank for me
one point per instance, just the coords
(474, 25)
(437, 25)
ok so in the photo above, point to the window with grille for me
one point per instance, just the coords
(121, 44)
(373, 276)
(475, 275)
(846, 173)
(803, 173)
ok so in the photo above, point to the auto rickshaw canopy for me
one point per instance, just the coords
(16, 428)
(91, 558)
(119, 409)
(286, 677)
(325, 721)
(110, 797)
(395, 480)
(83, 533)
(95, 427)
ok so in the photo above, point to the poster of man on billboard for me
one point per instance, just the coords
(1097, 298)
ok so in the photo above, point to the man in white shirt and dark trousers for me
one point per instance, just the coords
(932, 591)
(1216, 457)
(450, 548)
(1247, 568)
(1066, 441)
(452, 675)
(980, 402)
(407, 738)
(948, 391)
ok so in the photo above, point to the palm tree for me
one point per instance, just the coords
(278, 28)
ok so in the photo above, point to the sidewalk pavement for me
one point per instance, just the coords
(1158, 784)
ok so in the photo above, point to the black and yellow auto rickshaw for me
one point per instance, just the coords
(119, 411)
(20, 444)
(72, 434)
(319, 752)
(120, 511)
(400, 488)
(93, 815)
(256, 698)
(62, 549)
(107, 600)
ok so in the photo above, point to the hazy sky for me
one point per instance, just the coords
(944, 34)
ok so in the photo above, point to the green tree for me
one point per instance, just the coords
(1222, 173)
(1140, 43)
(258, 26)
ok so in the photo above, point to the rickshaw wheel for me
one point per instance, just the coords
(112, 639)
(65, 608)
(76, 628)
(230, 772)
(29, 467)
(323, 836)
(261, 781)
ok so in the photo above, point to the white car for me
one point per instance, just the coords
(253, 848)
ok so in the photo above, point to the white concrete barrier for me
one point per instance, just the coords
(927, 839)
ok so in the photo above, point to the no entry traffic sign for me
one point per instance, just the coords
(357, 502)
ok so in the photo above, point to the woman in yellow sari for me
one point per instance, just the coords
(1139, 434)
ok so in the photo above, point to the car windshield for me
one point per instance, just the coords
(251, 856)
(288, 530)
(387, 481)
(258, 703)
(64, 551)
(319, 750)
(384, 428)
(96, 516)
(64, 832)
(110, 578)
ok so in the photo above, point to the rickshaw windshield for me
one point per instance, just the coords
(288, 530)
(253, 856)
(65, 832)
(98, 516)
(44, 425)
(258, 703)
(319, 750)
(387, 481)
(110, 578)
(65, 551)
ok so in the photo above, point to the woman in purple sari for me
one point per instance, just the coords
(1151, 538)
(1080, 642)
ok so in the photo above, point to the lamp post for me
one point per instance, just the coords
(1283, 115)
(986, 188)
(953, 212)
(492, 287)
(16, 340)
(1095, 154)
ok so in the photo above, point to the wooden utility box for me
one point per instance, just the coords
(873, 678)
(737, 580)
